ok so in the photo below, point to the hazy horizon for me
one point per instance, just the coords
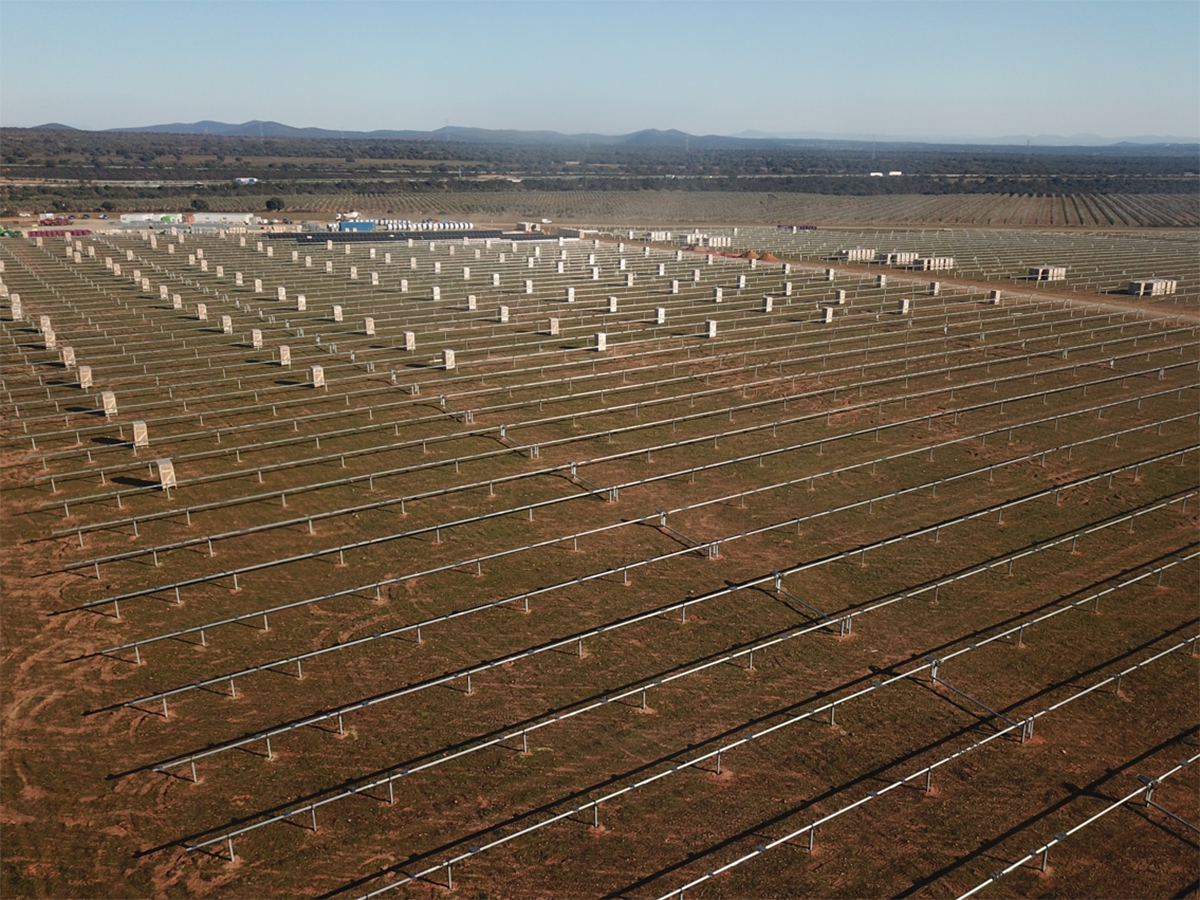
(1043, 140)
(938, 72)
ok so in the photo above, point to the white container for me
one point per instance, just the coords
(166, 473)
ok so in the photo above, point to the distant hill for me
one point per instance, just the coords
(647, 138)
(656, 138)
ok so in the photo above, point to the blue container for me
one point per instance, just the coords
(356, 226)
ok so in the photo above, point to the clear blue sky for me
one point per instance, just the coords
(967, 69)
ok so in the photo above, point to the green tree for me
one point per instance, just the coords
(200, 205)
(275, 203)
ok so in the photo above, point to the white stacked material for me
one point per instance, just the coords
(1048, 273)
(1153, 287)
(933, 263)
